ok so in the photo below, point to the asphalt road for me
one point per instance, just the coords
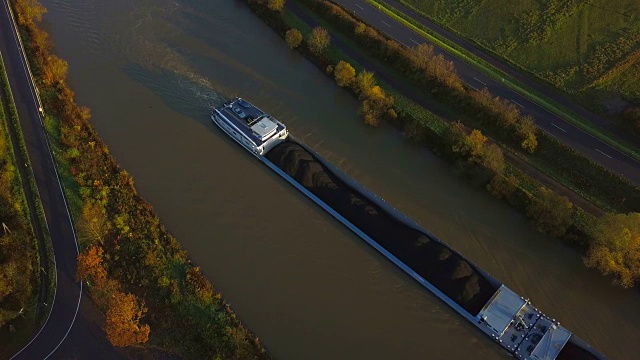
(68, 292)
(584, 143)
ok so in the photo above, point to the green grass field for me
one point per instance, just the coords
(584, 47)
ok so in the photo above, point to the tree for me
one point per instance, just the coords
(457, 137)
(55, 70)
(293, 37)
(275, 5)
(363, 83)
(90, 266)
(344, 74)
(360, 28)
(526, 131)
(29, 11)
(93, 225)
(123, 326)
(502, 187)
(319, 40)
(376, 105)
(616, 249)
(475, 144)
(550, 212)
(421, 56)
(492, 158)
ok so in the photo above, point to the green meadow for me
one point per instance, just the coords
(589, 48)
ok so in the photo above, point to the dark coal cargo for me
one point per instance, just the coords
(458, 279)
(508, 318)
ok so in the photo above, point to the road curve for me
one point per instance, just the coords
(574, 137)
(68, 292)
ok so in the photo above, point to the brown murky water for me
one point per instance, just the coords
(151, 70)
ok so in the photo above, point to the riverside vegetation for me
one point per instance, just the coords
(19, 259)
(31, 313)
(590, 49)
(481, 159)
(136, 271)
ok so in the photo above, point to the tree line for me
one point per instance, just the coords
(483, 160)
(136, 271)
(18, 251)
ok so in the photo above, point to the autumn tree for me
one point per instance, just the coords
(29, 11)
(493, 158)
(275, 5)
(502, 187)
(93, 225)
(319, 40)
(293, 37)
(475, 144)
(359, 28)
(202, 288)
(526, 132)
(90, 266)
(616, 249)
(376, 106)
(421, 56)
(344, 74)
(457, 136)
(363, 83)
(55, 70)
(471, 146)
(551, 212)
(123, 325)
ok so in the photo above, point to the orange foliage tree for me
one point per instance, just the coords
(90, 266)
(344, 73)
(123, 320)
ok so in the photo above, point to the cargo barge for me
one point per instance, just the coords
(508, 318)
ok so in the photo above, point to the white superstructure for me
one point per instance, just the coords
(252, 128)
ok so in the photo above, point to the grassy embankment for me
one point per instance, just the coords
(130, 252)
(583, 176)
(419, 123)
(23, 285)
(587, 49)
(605, 189)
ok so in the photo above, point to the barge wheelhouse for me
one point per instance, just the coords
(251, 127)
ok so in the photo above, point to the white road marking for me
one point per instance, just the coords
(414, 41)
(359, 6)
(476, 79)
(34, 95)
(604, 154)
(384, 22)
(517, 103)
(563, 130)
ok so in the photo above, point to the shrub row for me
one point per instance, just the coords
(497, 117)
(480, 160)
(19, 262)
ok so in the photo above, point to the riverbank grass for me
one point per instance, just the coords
(553, 107)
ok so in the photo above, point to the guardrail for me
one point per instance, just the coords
(26, 61)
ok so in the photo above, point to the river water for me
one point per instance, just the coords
(151, 70)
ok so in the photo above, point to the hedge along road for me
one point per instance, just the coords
(68, 293)
(574, 137)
